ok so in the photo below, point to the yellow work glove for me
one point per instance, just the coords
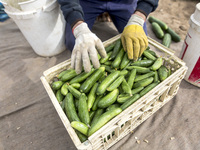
(134, 39)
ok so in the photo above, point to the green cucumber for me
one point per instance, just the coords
(120, 89)
(137, 90)
(64, 89)
(131, 78)
(56, 85)
(116, 49)
(76, 104)
(162, 73)
(108, 63)
(174, 35)
(91, 114)
(106, 82)
(143, 63)
(92, 96)
(63, 105)
(126, 88)
(74, 91)
(81, 77)
(103, 60)
(97, 114)
(151, 52)
(59, 96)
(124, 61)
(79, 126)
(99, 57)
(167, 39)
(148, 48)
(156, 78)
(110, 47)
(163, 25)
(130, 101)
(116, 83)
(81, 136)
(103, 77)
(144, 58)
(70, 108)
(139, 69)
(123, 73)
(127, 65)
(62, 73)
(122, 99)
(157, 30)
(109, 99)
(148, 88)
(118, 59)
(149, 55)
(68, 76)
(157, 64)
(113, 106)
(95, 105)
(144, 76)
(76, 85)
(143, 82)
(83, 109)
(103, 119)
(139, 58)
(108, 68)
(87, 84)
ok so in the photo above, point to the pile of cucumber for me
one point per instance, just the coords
(163, 32)
(90, 100)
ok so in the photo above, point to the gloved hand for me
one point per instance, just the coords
(86, 46)
(134, 39)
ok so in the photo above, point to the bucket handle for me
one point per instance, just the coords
(50, 6)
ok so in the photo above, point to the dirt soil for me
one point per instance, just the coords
(176, 14)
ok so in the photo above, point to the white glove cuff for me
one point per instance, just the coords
(81, 29)
(136, 19)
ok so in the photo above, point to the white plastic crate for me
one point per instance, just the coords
(134, 115)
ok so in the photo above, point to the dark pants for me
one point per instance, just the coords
(119, 10)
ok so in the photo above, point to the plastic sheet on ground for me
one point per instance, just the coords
(28, 119)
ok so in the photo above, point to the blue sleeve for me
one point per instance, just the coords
(72, 11)
(147, 6)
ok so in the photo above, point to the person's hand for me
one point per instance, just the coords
(134, 39)
(86, 46)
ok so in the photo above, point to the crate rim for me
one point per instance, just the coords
(70, 130)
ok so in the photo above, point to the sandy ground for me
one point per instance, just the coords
(176, 14)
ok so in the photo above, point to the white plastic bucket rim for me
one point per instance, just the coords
(29, 5)
(31, 14)
(195, 19)
(194, 24)
(34, 4)
(197, 13)
(21, 15)
(9, 8)
(27, 2)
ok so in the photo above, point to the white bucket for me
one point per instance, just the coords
(43, 28)
(31, 5)
(191, 49)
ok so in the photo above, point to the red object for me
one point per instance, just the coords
(195, 74)
(186, 46)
